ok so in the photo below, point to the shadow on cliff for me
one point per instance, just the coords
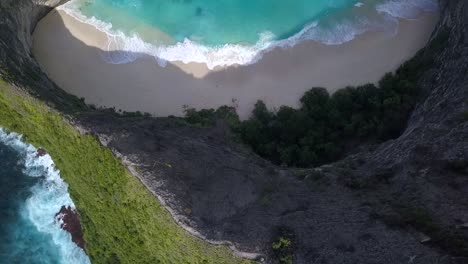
(282, 76)
(359, 210)
(138, 85)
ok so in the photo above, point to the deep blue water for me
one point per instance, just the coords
(20, 241)
(31, 194)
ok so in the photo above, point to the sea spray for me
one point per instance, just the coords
(406, 8)
(333, 26)
(48, 195)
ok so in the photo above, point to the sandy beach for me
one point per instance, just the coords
(71, 53)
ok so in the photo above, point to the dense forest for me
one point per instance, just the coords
(326, 127)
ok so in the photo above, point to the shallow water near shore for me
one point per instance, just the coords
(32, 192)
(64, 47)
(224, 33)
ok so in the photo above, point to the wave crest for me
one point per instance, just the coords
(407, 9)
(124, 49)
(48, 196)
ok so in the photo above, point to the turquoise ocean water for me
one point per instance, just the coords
(225, 32)
(217, 22)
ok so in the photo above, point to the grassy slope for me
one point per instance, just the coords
(122, 221)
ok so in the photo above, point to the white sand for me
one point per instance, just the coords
(70, 52)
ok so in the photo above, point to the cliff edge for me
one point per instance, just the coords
(402, 201)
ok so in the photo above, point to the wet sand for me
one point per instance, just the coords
(71, 53)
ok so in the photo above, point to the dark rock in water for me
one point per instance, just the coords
(41, 152)
(71, 223)
(367, 208)
(388, 194)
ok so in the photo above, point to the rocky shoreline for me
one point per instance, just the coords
(376, 206)
(68, 217)
(69, 220)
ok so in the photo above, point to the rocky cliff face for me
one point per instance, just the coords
(404, 201)
(18, 19)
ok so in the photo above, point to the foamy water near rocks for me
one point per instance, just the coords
(426, 163)
(48, 196)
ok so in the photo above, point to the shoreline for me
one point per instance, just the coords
(281, 77)
(152, 216)
(46, 197)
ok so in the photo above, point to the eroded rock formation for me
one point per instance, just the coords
(376, 206)
(70, 221)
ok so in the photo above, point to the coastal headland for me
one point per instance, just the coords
(400, 201)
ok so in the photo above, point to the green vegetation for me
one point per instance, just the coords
(208, 117)
(283, 247)
(3, 75)
(122, 221)
(326, 127)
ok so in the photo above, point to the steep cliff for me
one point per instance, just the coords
(401, 202)
(17, 22)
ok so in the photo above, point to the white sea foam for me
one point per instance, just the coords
(124, 49)
(48, 196)
(408, 9)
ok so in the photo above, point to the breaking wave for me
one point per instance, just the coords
(48, 195)
(330, 30)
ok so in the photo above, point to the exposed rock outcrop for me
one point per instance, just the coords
(41, 152)
(18, 19)
(372, 207)
(70, 221)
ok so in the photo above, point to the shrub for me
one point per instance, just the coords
(283, 247)
(208, 117)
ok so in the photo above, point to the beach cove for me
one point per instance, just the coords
(140, 182)
(74, 53)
